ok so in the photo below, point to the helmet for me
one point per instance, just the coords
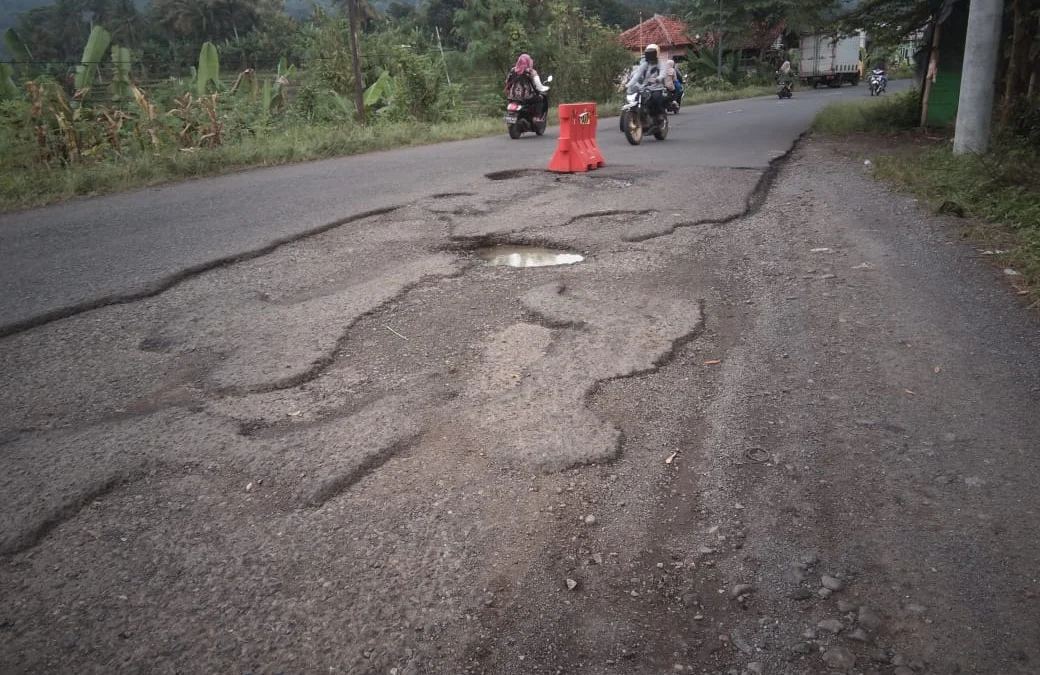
(652, 48)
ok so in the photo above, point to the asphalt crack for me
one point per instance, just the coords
(753, 203)
(162, 285)
(40, 528)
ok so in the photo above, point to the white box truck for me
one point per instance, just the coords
(827, 60)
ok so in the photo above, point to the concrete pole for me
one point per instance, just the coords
(979, 77)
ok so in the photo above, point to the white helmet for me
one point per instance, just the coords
(653, 48)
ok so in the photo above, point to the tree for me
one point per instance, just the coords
(496, 31)
(612, 12)
(440, 15)
(888, 22)
(754, 21)
(56, 33)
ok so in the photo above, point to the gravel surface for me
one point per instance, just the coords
(784, 425)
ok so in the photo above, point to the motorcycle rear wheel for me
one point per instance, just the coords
(539, 127)
(633, 127)
(514, 131)
(661, 132)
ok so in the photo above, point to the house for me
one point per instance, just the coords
(671, 35)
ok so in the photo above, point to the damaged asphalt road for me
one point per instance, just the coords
(784, 424)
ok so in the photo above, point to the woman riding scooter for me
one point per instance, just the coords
(784, 81)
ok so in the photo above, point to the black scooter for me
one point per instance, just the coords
(520, 115)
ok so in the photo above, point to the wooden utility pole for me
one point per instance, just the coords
(718, 45)
(932, 72)
(359, 87)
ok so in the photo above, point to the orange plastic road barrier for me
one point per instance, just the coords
(577, 149)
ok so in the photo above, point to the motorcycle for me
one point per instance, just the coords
(783, 90)
(878, 82)
(674, 100)
(520, 115)
(636, 120)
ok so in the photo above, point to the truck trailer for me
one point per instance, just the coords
(828, 60)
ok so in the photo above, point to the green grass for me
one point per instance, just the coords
(41, 184)
(24, 186)
(696, 97)
(875, 114)
(1001, 188)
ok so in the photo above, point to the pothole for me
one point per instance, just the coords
(512, 173)
(526, 256)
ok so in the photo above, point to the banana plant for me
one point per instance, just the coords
(345, 105)
(208, 71)
(19, 51)
(121, 87)
(281, 82)
(8, 89)
(97, 45)
(381, 89)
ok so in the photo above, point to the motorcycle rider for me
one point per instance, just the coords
(880, 69)
(784, 76)
(524, 85)
(650, 74)
(673, 81)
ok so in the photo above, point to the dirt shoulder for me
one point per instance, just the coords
(791, 439)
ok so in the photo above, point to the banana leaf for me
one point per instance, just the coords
(97, 45)
(209, 69)
(381, 88)
(18, 50)
(8, 89)
(121, 87)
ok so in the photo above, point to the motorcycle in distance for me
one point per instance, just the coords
(520, 116)
(783, 90)
(878, 82)
(636, 120)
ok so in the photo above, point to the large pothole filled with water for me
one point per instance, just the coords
(526, 256)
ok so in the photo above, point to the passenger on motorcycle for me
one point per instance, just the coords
(651, 75)
(672, 79)
(524, 85)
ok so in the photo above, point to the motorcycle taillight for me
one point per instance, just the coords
(514, 106)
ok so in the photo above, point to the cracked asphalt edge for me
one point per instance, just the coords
(753, 203)
(166, 283)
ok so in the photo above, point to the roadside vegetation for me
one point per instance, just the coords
(97, 96)
(1001, 188)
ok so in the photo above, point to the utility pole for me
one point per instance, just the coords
(718, 44)
(978, 77)
(359, 91)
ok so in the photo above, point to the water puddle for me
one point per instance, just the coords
(526, 256)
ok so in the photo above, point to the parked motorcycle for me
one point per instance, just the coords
(520, 115)
(878, 82)
(784, 90)
(637, 121)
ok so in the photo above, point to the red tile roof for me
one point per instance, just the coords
(661, 30)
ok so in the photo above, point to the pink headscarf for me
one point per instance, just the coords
(523, 64)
